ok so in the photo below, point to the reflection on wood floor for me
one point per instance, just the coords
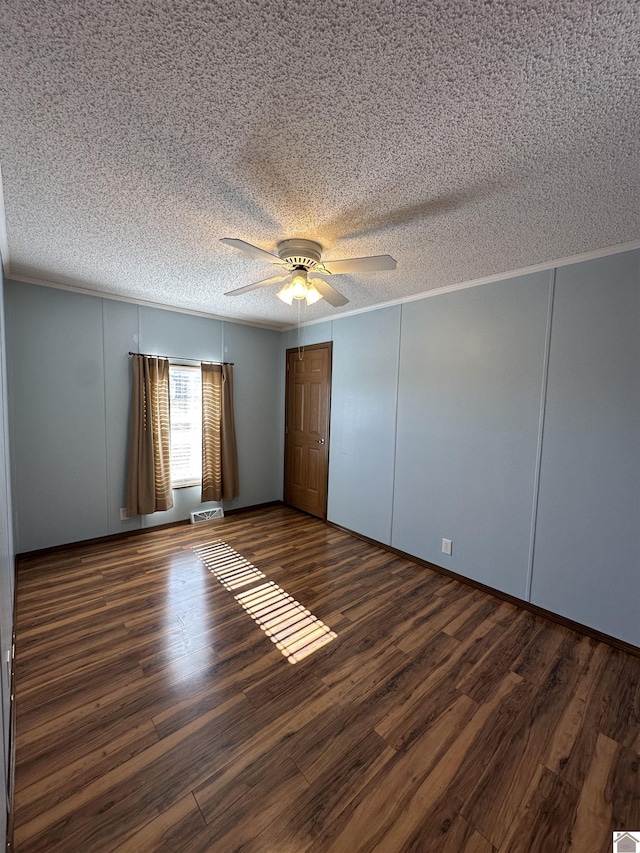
(154, 714)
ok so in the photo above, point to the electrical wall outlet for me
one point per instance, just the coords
(447, 545)
(123, 513)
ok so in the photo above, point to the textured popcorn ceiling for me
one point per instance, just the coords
(463, 138)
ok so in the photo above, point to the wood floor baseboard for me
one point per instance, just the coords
(97, 540)
(127, 534)
(504, 596)
(253, 508)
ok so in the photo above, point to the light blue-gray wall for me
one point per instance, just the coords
(258, 409)
(516, 433)
(69, 384)
(121, 332)
(6, 575)
(57, 415)
(363, 415)
(587, 549)
(468, 411)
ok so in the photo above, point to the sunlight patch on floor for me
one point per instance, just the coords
(232, 570)
(295, 631)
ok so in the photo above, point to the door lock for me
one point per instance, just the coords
(319, 440)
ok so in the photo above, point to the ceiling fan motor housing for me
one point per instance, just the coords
(300, 252)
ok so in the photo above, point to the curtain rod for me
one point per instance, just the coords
(180, 358)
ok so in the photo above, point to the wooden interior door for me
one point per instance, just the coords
(308, 400)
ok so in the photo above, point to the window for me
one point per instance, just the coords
(185, 388)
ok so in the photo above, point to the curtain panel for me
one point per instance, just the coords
(149, 468)
(219, 451)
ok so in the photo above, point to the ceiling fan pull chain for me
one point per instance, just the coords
(300, 332)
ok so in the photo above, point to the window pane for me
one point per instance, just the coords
(186, 425)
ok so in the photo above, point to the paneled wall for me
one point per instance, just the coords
(57, 415)
(516, 434)
(471, 369)
(362, 439)
(69, 383)
(587, 550)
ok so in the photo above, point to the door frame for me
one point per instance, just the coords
(328, 345)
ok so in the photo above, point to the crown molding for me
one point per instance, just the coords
(437, 291)
(99, 294)
(489, 279)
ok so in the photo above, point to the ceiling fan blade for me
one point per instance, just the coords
(329, 293)
(257, 284)
(375, 263)
(248, 249)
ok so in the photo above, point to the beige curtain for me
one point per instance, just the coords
(219, 451)
(149, 469)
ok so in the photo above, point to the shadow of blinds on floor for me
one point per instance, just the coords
(296, 632)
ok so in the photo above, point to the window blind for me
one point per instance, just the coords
(186, 425)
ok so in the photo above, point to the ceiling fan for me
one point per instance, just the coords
(300, 260)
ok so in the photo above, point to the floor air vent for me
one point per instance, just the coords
(206, 514)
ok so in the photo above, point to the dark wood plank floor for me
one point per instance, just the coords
(154, 714)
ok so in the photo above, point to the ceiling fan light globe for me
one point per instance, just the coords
(299, 285)
(286, 294)
(312, 294)
(298, 291)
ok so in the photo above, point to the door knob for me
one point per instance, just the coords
(319, 440)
